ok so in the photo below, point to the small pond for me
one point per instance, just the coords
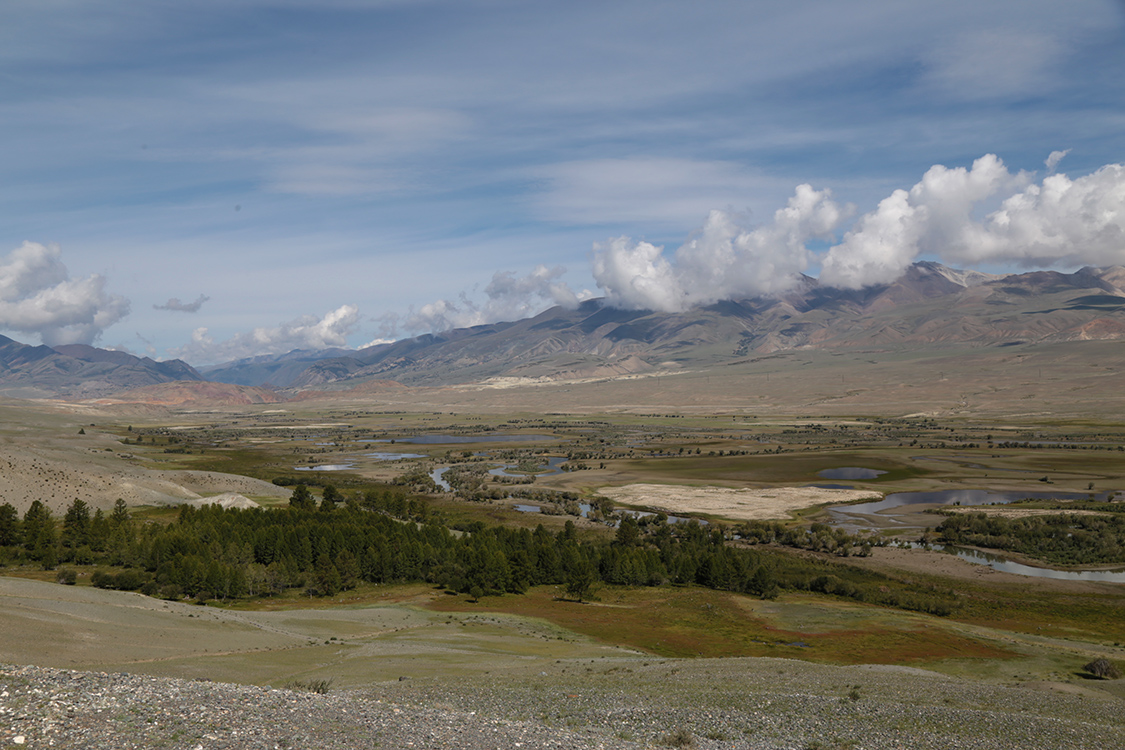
(849, 472)
(384, 456)
(326, 467)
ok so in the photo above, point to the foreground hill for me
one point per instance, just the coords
(931, 307)
(765, 704)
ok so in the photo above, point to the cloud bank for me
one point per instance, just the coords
(509, 298)
(984, 214)
(307, 332)
(175, 305)
(38, 296)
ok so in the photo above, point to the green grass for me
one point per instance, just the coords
(691, 621)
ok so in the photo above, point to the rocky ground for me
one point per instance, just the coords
(743, 703)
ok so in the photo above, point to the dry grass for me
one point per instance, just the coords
(735, 504)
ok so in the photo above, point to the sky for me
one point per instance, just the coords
(216, 179)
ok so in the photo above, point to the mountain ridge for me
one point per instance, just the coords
(930, 306)
(80, 371)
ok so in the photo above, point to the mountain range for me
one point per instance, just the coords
(930, 306)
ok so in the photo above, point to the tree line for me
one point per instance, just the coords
(1066, 538)
(383, 536)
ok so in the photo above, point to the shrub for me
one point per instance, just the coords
(1103, 669)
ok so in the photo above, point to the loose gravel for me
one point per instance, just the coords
(730, 703)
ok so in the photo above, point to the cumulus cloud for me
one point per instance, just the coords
(1056, 222)
(1060, 222)
(724, 260)
(983, 214)
(509, 297)
(38, 296)
(307, 332)
(933, 217)
(175, 305)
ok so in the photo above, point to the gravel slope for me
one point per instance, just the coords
(737, 703)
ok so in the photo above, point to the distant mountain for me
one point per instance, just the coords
(80, 371)
(931, 305)
(272, 369)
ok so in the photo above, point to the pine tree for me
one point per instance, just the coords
(76, 525)
(9, 525)
(120, 514)
(302, 499)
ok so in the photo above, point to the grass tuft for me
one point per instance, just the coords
(310, 686)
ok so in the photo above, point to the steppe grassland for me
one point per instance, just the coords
(645, 447)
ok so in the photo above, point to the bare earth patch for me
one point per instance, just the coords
(736, 504)
(55, 474)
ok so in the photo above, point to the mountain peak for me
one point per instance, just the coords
(960, 277)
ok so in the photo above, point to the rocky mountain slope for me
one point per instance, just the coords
(80, 371)
(930, 306)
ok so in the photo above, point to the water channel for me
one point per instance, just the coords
(853, 513)
(1009, 566)
(860, 516)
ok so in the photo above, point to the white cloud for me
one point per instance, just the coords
(509, 298)
(175, 305)
(307, 332)
(1057, 222)
(38, 296)
(1053, 160)
(934, 217)
(724, 260)
(1060, 222)
(636, 275)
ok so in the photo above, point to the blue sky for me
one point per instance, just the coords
(285, 173)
